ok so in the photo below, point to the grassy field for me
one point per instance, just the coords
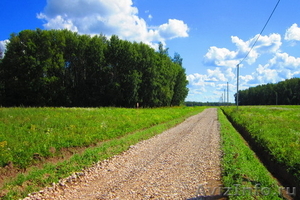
(42, 132)
(243, 175)
(29, 135)
(276, 128)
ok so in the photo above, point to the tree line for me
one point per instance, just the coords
(196, 103)
(283, 93)
(64, 68)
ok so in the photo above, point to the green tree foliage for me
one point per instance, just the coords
(63, 68)
(283, 93)
(195, 103)
(180, 89)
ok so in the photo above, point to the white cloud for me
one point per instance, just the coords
(264, 74)
(197, 79)
(268, 44)
(264, 44)
(246, 78)
(220, 57)
(211, 76)
(282, 66)
(292, 33)
(226, 58)
(216, 75)
(285, 65)
(108, 17)
(58, 22)
(209, 86)
(283, 60)
(243, 47)
(173, 29)
(229, 74)
(224, 61)
(3, 47)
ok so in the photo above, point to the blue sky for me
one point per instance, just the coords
(212, 36)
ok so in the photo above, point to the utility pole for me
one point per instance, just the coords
(237, 87)
(227, 94)
(224, 98)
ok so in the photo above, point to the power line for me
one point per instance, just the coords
(261, 32)
(237, 67)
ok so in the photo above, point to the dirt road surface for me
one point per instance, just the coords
(180, 163)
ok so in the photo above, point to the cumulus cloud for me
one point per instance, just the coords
(208, 87)
(282, 66)
(58, 22)
(227, 58)
(220, 57)
(3, 47)
(292, 33)
(216, 75)
(268, 44)
(108, 17)
(224, 62)
(198, 86)
(211, 76)
(264, 74)
(284, 60)
(173, 29)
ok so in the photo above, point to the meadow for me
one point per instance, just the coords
(30, 136)
(275, 129)
(43, 132)
(243, 175)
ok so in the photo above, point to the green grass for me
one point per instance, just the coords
(44, 128)
(274, 127)
(242, 171)
(44, 131)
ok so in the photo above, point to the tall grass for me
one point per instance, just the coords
(274, 127)
(27, 134)
(243, 173)
(116, 128)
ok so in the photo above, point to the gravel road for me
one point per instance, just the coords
(177, 164)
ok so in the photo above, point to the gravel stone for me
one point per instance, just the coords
(171, 165)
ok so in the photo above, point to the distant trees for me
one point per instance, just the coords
(195, 103)
(283, 93)
(63, 68)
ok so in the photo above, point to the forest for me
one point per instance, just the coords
(196, 103)
(282, 93)
(64, 68)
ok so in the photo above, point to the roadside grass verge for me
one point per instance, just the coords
(158, 120)
(243, 175)
(275, 129)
